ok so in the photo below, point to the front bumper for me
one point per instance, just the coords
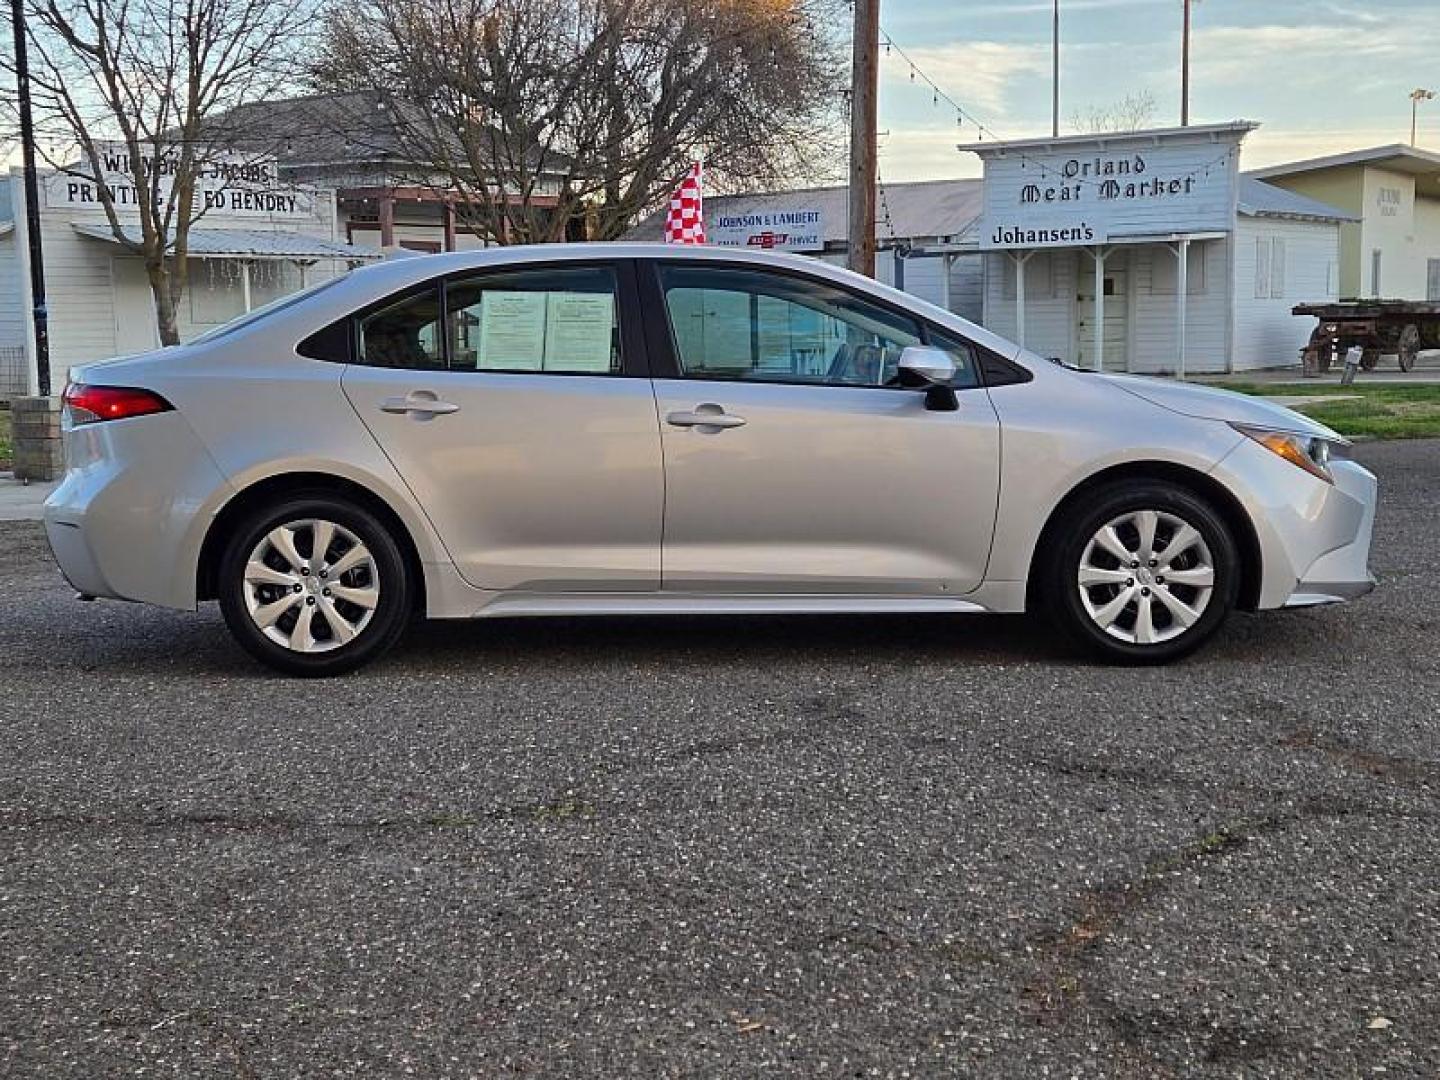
(1314, 537)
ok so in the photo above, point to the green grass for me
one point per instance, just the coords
(1401, 411)
(4, 438)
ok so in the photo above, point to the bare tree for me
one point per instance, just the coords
(527, 114)
(125, 88)
(1130, 113)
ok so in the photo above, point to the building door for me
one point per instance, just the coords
(1117, 312)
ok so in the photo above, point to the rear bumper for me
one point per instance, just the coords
(128, 518)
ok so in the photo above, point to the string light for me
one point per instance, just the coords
(938, 95)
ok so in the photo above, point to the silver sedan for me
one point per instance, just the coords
(614, 429)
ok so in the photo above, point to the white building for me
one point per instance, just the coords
(1391, 247)
(254, 243)
(1199, 267)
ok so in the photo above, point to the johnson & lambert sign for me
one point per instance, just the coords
(788, 229)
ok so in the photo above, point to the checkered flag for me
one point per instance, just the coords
(685, 220)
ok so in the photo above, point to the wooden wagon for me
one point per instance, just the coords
(1379, 327)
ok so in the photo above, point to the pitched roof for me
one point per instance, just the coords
(248, 243)
(1397, 157)
(927, 208)
(1259, 199)
(358, 127)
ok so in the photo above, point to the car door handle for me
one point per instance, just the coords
(707, 416)
(423, 403)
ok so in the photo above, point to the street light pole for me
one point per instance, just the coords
(32, 202)
(1417, 96)
(1185, 69)
(1055, 74)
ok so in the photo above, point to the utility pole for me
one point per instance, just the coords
(1185, 69)
(1055, 74)
(32, 201)
(864, 88)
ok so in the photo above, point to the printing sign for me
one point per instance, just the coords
(227, 185)
(769, 230)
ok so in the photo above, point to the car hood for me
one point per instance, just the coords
(1209, 403)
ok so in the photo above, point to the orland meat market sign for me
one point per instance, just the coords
(228, 185)
(799, 229)
(1088, 190)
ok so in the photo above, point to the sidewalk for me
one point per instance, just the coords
(1388, 373)
(20, 501)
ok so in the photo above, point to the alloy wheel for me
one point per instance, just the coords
(1146, 577)
(311, 585)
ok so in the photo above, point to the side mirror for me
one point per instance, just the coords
(924, 367)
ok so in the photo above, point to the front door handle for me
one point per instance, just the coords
(423, 403)
(707, 418)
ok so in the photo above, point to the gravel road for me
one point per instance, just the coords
(726, 847)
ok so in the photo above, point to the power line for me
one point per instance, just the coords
(964, 114)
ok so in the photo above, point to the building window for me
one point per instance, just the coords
(1164, 264)
(1375, 272)
(216, 291)
(1269, 268)
(1432, 279)
(1039, 277)
(1262, 268)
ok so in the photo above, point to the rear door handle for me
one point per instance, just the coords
(708, 417)
(421, 402)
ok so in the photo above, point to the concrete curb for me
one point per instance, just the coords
(20, 501)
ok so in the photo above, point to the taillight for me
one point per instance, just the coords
(91, 404)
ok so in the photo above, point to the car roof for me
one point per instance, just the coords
(374, 282)
(413, 266)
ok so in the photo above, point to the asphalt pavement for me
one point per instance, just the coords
(726, 847)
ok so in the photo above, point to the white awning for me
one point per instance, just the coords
(247, 244)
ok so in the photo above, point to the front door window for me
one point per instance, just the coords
(764, 327)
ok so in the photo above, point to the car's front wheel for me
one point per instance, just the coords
(314, 586)
(1141, 572)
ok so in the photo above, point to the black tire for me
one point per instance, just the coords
(1066, 544)
(392, 583)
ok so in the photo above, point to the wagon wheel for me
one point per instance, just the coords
(1317, 353)
(1409, 346)
(1369, 358)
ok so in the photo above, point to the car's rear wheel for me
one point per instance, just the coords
(314, 586)
(1141, 572)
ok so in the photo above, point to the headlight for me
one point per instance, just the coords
(1310, 452)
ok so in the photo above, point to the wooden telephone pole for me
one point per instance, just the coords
(32, 202)
(864, 83)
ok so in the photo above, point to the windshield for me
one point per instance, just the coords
(266, 310)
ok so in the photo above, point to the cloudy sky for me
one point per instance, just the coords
(1319, 76)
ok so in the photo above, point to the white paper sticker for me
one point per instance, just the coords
(578, 331)
(512, 331)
